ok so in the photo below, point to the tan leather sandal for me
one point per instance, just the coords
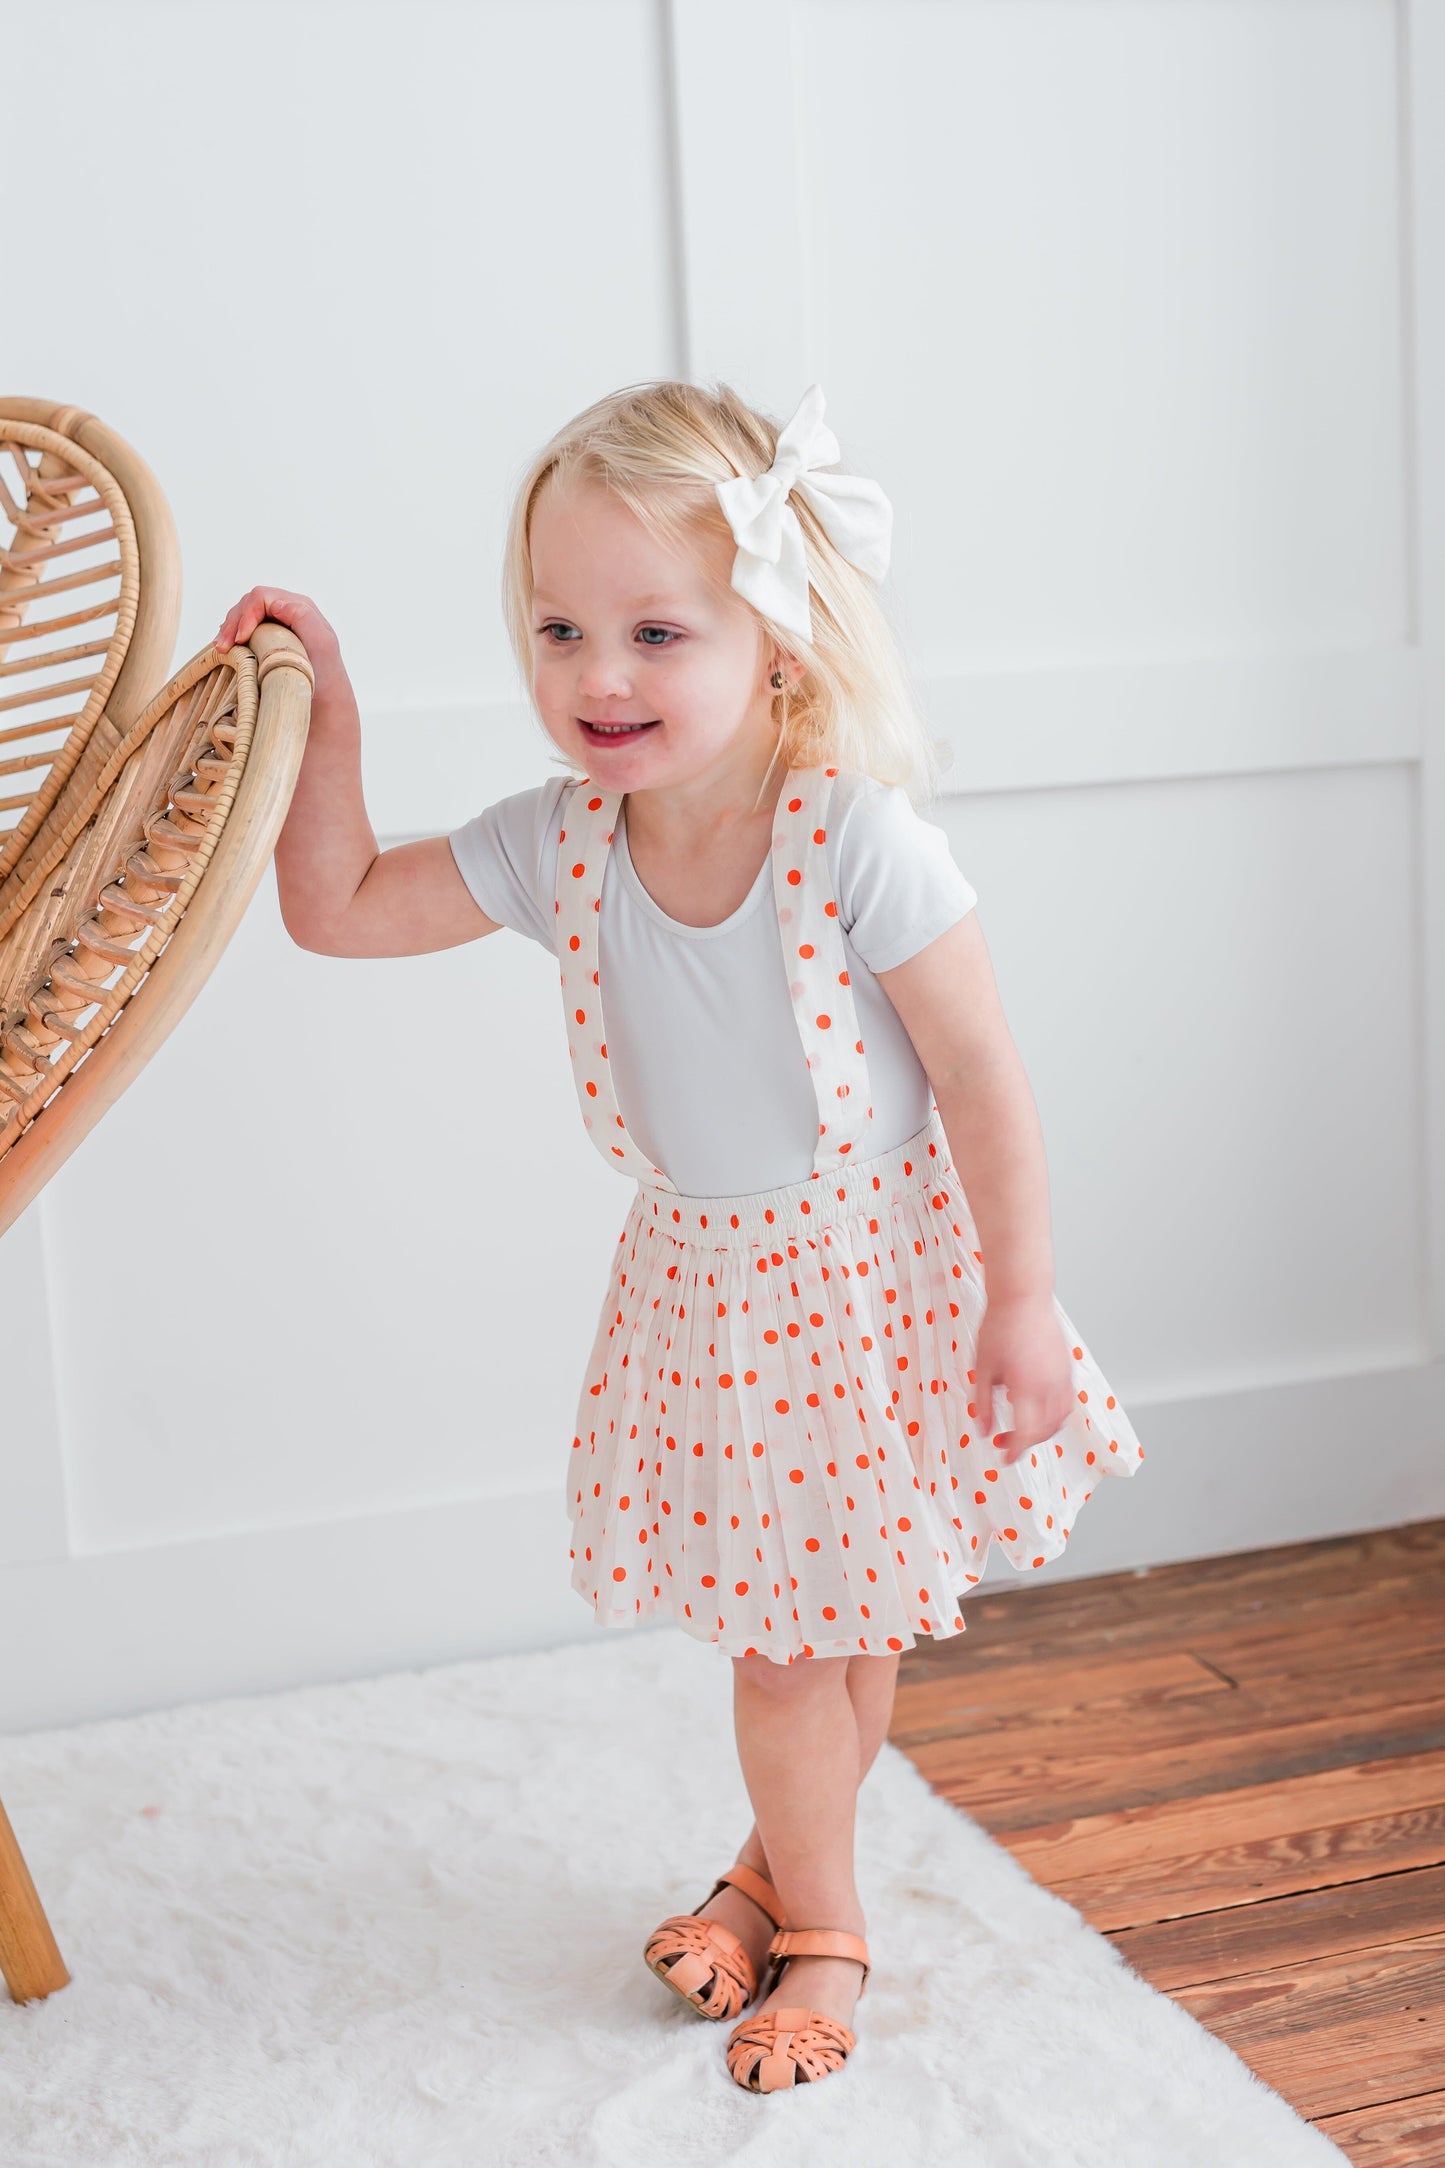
(705, 1962)
(779, 2048)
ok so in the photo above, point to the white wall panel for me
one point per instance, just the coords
(390, 1293)
(1212, 988)
(33, 1522)
(376, 1307)
(1422, 98)
(1111, 295)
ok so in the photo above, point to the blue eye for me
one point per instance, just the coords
(555, 625)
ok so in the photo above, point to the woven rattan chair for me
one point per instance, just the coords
(135, 825)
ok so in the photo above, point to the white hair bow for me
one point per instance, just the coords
(770, 568)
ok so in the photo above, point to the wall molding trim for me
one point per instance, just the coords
(1421, 48)
(429, 765)
(129, 1630)
(34, 1523)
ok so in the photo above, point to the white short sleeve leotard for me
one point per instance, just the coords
(703, 1044)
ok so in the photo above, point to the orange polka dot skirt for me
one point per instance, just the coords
(777, 1443)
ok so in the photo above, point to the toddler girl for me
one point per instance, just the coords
(784, 1028)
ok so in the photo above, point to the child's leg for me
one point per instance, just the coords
(871, 1682)
(799, 1746)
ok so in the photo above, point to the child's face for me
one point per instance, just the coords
(625, 630)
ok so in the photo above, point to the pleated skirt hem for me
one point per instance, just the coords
(776, 1442)
(902, 1632)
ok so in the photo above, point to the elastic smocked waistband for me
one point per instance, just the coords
(798, 1208)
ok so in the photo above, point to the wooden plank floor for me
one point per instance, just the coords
(1235, 1769)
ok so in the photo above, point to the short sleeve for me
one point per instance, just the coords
(897, 884)
(507, 855)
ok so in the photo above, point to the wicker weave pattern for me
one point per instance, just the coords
(69, 590)
(71, 963)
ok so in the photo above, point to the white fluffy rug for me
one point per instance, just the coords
(399, 1924)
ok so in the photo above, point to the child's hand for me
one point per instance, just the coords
(300, 613)
(1021, 1346)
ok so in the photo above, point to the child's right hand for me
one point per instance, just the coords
(406, 901)
(298, 612)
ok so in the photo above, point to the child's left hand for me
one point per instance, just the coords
(1021, 1345)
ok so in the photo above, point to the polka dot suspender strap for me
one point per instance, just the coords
(817, 968)
(588, 813)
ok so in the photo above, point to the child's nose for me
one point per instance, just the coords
(601, 679)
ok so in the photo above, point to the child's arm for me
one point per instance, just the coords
(948, 1001)
(340, 895)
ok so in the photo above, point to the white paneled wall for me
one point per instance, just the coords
(1138, 312)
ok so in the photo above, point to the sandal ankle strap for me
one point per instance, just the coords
(819, 1942)
(758, 1887)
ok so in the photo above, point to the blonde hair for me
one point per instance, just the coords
(660, 446)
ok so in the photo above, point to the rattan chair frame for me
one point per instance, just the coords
(74, 450)
(131, 862)
(214, 849)
(147, 897)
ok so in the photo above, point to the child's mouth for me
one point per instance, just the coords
(613, 733)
